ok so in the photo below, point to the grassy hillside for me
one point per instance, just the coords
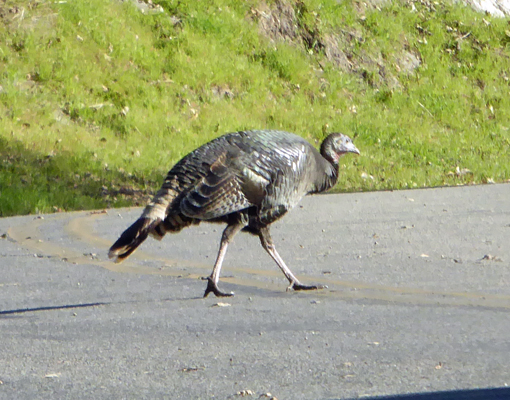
(98, 100)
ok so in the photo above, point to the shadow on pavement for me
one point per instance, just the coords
(49, 308)
(472, 394)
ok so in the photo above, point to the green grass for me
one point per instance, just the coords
(98, 100)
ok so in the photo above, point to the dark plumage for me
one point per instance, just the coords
(245, 179)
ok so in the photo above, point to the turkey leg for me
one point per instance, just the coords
(268, 245)
(212, 280)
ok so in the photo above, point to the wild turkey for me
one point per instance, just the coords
(245, 179)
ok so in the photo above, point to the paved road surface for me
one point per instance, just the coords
(418, 301)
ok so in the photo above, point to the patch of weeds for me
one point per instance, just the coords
(33, 183)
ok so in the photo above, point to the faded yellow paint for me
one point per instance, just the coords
(80, 226)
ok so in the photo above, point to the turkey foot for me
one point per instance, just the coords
(213, 287)
(300, 286)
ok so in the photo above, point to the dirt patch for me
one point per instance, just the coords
(32, 16)
(279, 22)
(407, 62)
(284, 21)
(337, 52)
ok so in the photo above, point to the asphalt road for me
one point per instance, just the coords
(418, 301)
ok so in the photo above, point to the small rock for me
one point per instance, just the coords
(461, 172)
(192, 369)
(364, 175)
(244, 393)
(221, 305)
(490, 257)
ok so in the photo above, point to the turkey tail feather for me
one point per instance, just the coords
(132, 238)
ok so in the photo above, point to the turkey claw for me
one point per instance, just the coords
(213, 287)
(300, 286)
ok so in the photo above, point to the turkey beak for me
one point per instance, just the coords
(350, 148)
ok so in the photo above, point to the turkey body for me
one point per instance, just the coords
(245, 179)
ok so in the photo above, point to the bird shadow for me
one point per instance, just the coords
(6, 313)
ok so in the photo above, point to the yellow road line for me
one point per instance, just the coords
(80, 226)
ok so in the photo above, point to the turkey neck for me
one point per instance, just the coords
(328, 175)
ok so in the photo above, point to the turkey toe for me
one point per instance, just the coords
(300, 286)
(213, 287)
